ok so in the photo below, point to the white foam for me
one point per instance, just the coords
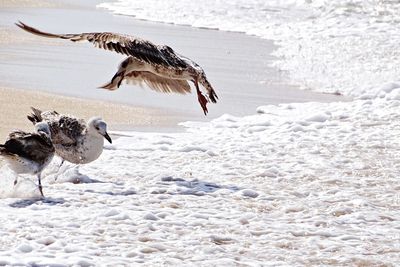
(327, 191)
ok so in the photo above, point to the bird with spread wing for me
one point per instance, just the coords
(157, 66)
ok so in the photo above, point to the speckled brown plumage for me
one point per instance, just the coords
(65, 129)
(33, 146)
(29, 153)
(75, 140)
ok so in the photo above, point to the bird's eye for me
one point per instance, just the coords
(97, 128)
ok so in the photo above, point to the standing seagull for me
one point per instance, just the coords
(157, 66)
(29, 152)
(74, 140)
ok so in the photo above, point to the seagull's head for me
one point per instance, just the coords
(99, 126)
(43, 127)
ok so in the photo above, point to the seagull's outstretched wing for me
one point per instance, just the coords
(154, 82)
(120, 43)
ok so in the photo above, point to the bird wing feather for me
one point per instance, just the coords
(66, 129)
(120, 43)
(157, 83)
(35, 146)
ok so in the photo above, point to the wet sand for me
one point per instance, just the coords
(15, 105)
(29, 3)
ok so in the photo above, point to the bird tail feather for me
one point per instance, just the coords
(35, 116)
(2, 149)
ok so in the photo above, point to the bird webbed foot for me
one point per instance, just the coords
(203, 101)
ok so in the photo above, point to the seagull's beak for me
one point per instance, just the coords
(106, 136)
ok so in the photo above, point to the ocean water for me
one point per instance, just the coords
(342, 46)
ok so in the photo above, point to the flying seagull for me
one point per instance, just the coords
(157, 66)
(29, 152)
(74, 140)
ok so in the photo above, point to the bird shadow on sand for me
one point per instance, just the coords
(23, 203)
(195, 187)
(71, 175)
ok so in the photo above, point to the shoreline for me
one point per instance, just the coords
(242, 77)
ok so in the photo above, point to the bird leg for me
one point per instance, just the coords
(40, 185)
(201, 98)
(59, 167)
(62, 162)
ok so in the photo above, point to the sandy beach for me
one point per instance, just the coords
(28, 3)
(236, 64)
(15, 105)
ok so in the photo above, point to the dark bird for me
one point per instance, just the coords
(29, 152)
(157, 66)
